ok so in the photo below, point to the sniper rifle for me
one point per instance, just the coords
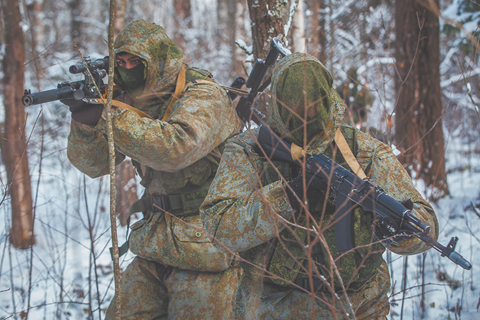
(76, 90)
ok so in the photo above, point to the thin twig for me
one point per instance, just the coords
(111, 152)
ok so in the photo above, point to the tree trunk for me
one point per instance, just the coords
(298, 30)
(418, 121)
(322, 33)
(14, 146)
(76, 24)
(126, 185)
(241, 14)
(120, 10)
(268, 19)
(232, 23)
(316, 32)
(183, 19)
(313, 26)
(37, 31)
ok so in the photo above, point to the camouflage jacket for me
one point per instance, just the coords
(248, 212)
(177, 155)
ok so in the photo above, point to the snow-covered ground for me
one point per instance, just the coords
(69, 270)
(59, 276)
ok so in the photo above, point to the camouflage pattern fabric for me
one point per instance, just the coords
(160, 292)
(249, 216)
(177, 156)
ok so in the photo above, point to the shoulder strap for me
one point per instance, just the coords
(178, 89)
(121, 105)
(348, 154)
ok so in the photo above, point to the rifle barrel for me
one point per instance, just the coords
(29, 99)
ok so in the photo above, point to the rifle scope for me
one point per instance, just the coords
(92, 65)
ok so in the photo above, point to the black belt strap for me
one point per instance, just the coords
(157, 204)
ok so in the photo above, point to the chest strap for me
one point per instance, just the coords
(180, 85)
(348, 154)
(344, 229)
(178, 90)
(344, 216)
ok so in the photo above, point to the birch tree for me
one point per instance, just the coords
(298, 30)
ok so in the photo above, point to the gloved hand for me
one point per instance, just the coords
(315, 187)
(84, 113)
(388, 231)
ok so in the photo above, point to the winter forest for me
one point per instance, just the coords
(407, 71)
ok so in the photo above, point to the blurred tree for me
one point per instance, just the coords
(358, 100)
(183, 22)
(13, 144)
(120, 10)
(37, 30)
(298, 41)
(241, 32)
(75, 22)
(418, 120)
(225, 33)
(316, 33)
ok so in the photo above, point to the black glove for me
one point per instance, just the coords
(84, 113)
(389, 232)
(315, 187)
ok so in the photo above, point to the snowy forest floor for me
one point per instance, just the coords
(60, 278)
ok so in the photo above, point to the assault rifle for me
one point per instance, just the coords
(245, 108)
(348, 190)
(77, 90)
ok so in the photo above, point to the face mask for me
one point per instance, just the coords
(133, 79)
(302, 85)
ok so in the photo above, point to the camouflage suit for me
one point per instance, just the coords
(177, 157)
(247, 210)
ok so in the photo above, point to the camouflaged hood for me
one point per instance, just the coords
(161, 57)
(302, 88)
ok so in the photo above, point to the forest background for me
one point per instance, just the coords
(407, 70)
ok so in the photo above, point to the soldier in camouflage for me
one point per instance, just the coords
(178, 273)
(287, 249)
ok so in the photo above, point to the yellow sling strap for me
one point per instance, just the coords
(123, 105)
(348, 154)
(178, 89)
(298, 153)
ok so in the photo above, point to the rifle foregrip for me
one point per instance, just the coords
(459, 260)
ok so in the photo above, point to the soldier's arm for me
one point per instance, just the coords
(201, 120)
(87, 150)
(238, 211)
(385, 170)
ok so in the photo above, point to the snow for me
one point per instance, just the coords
(58, 277)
